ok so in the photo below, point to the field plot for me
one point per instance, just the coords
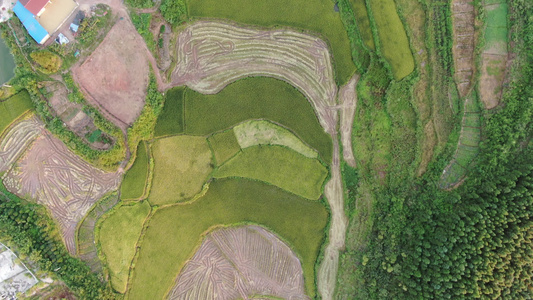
(279, 166)
(315, 15)
(119, 233)
(463, 19)
(348, 102)
(468, 146)
(363, 22)
(174, 233)
(494, 56)
(211, 55)
(16, 139)
(256, 98)
(392, 37)
(134, 183)
(61, 181)
(87, 250)
(13, 107)
(249, 258)
(170, 121)
(182, 165)
(115, 76)
(262, 132)
(15, 278)
(224, 145)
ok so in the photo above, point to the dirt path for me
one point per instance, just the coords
(348, 102)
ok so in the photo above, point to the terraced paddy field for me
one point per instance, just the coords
(280, 166)
(313, 15)
(171, 120)
(224, 145)
(256, 98)
(249, 257)
(182, 166)
(134, 183)
(119, 233)
(174, 233)
(392, 37)
(13, 107)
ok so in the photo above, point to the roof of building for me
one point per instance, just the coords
(37, 32)
(34, 6)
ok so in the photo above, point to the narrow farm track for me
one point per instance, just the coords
(463, 19)
(348, 103)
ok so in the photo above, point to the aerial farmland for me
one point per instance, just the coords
(274, 149)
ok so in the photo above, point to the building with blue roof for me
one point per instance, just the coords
(36, 31)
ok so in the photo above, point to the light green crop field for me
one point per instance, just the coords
(496, 35)
(314, 15)
(279, 166)
(13, 107)
(256, 98)
(135, 179)
(182, 165)
(262, 132)
(224, 145)
(170, 121)
(392, 37)
(363, 23)
(118, 237)
(174, 233)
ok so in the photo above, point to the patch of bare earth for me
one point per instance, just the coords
(212, 54)
(61, 181)
(348, 103)
(16, 139)
(238, 263)
(463, 20)
(115, 76)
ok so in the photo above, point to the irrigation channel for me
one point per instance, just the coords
(7, 63)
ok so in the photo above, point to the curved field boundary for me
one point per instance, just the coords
(17, 138)
(468, 146)
(12, 108)
(212, 54)
(61, 181)
(243, 261)
(262, 132)
(463, 20)
(85, 233)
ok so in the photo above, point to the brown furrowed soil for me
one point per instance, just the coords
(348, 103)
(213, 54)
(17, 139)
(238, 263)
(115, 76)
(463, 19)
(64, 183)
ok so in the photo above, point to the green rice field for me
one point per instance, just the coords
(119, 233)
(170, 121)
(363, 22)
(280, 166)
(224, 145)
(256, 98)
(13, 107)
(392, 37)
(168, 244)
(496, 35)
(313, 15)
(134, 182)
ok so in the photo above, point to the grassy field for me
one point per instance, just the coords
(182, 165)
(392, 37)
(134, 181)
(13, 107)
(300, 222)
(224, 145)
(496, 31)
(256, 98)
(279, 166)
(363, 23)
(315, 15)
(262, 132)
(118, 237)
(170, 120)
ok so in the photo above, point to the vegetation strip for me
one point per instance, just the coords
(135, 183)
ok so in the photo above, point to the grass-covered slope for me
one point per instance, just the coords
(173, 233)
(314, 15)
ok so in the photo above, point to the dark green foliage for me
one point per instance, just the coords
(441, 39)
(142, 24)
(360, 54)
(170, 121)
(140, 3)
(174, 11)
(26, 227)
(350, 178)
